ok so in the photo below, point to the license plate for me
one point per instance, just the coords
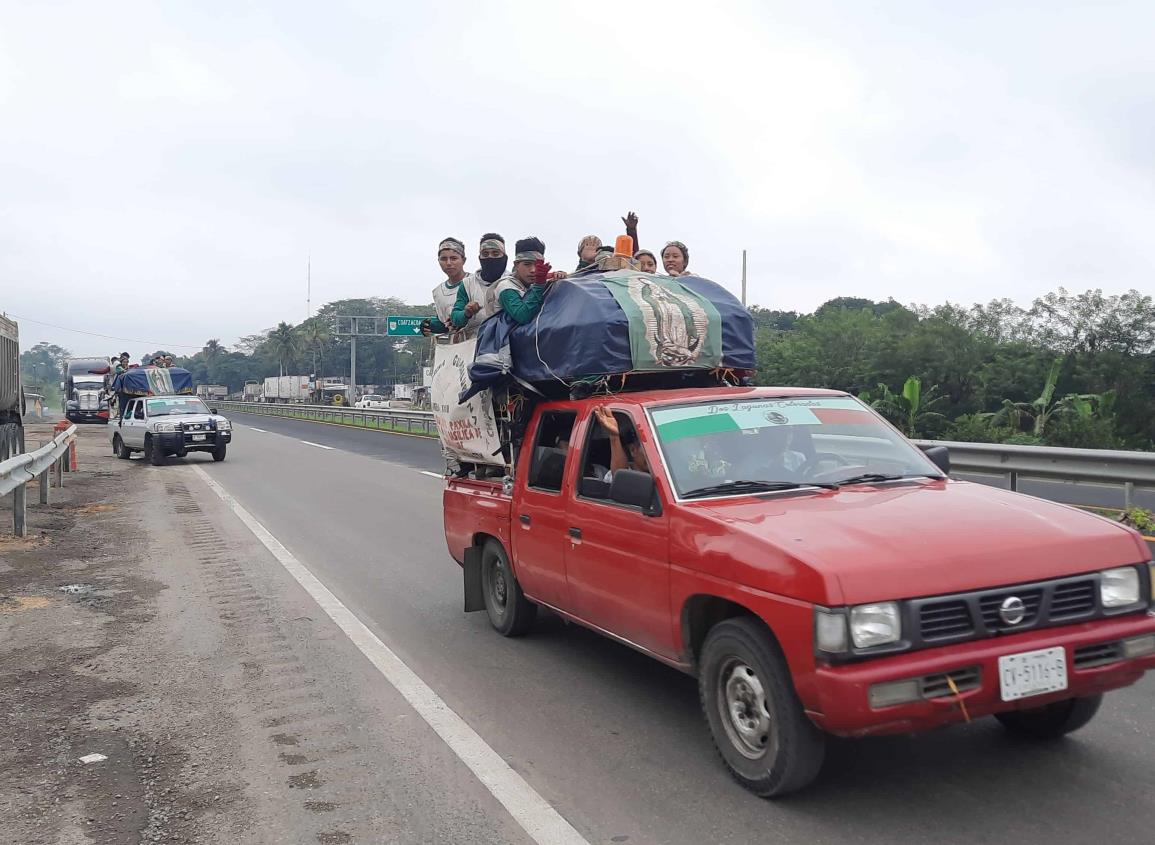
(198, 437)
(1032, 673)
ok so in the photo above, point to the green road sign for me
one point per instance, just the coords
(405, 326)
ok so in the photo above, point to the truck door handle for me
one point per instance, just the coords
(576, 533)
(525, 520)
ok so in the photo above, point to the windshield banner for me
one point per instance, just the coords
(468, 430)
(671, 326)
(743, 415)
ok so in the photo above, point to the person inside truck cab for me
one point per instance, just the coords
(626, 451)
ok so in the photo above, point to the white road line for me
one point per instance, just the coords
(318, 445)
(537, 817)
(436, 475)
(254, 428)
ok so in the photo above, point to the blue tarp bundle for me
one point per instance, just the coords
(153, 381)
(583, 331)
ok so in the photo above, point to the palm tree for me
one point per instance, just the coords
(283, 340)
(315, 333)
(212, 354)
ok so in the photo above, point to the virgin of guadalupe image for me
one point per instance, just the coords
(675, 325)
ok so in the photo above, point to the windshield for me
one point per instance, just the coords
(173, 407)
(758, 445)
(372, 397)
(88, 383)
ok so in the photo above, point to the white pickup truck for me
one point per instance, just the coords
(160, 426)
(372, 400)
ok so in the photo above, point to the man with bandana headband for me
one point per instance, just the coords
(521, 292)
(451, 257)
(477, 295)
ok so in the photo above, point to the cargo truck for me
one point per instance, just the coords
(212, 391)
(11, 396)
(282, 389)
(85, 399)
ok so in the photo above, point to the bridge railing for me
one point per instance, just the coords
(397, 420)
(1127, 471)
(17, 471)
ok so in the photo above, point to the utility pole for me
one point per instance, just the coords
(351, 396)
(743, 278)
(309, 287)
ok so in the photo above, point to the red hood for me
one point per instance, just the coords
(929, 538)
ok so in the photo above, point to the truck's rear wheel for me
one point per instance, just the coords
(119, 449)
(510, 612)
(759, 727)
(1052, 721)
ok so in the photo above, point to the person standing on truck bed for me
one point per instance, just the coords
(520, 293)
(451, 257)
(477, 294)
(676, 258)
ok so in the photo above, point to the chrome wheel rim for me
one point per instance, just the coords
(744, 710)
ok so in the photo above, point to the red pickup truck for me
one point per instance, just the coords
(814, 569)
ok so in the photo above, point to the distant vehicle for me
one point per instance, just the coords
(333, 392)
(160, 426)
(373, 400)
(252, 391)
(11, 398)
(85, 399)
(209, 392)
(282, 389)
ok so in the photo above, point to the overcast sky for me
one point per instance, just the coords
(166, 168)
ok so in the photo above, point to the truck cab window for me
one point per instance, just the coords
(596, 458)
(138, 411)
(550, 448)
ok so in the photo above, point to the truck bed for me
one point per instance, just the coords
(473, 507)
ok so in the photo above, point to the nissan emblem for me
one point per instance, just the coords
(1012, 611)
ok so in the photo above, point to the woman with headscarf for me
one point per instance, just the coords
(675, 258)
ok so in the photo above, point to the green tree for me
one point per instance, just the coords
(284, 342)
(212, 352)
(912, 410)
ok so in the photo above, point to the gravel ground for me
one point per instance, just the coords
(141, 621)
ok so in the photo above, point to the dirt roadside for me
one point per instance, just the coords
(142, 622)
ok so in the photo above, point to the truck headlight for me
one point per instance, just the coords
(165, 427)
(224, 425)
(1119, 587)
(875, 624)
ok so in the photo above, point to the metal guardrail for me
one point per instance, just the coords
(19, 470)
(382, 419)
(1128, 470)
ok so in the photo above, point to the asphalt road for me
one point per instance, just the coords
(614, 740)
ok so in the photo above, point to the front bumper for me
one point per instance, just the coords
(177, 441)
(843, 692)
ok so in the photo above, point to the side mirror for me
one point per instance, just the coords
(636, 489)
(939, 456)
(62, 385)
(212, 410)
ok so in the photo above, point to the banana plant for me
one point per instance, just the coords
(911, 409)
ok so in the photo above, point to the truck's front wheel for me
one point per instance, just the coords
(759, 727)
(510, 612)
(1052, 721)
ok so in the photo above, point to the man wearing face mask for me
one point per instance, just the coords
(477, 296)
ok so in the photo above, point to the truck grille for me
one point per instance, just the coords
(945, 620)
(936, 686)
(976, 615)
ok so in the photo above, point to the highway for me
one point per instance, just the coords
(614, 741)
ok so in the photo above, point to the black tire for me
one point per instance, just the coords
(759, 727)
(219, 451)
(119, 449)
(152, 450)
(510, 612)
(1051, 721)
